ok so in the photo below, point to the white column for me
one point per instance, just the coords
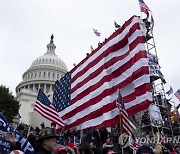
(33, 87)
(44, 88)
(50, 87)
(39, 87)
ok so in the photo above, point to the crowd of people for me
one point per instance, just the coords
(90, 141)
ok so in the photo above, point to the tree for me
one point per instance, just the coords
(8, 105)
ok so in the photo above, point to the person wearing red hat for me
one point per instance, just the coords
(17, 152)
(84, 148)
(61, 150)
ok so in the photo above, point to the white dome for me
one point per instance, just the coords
(49, 59)
(44, 71)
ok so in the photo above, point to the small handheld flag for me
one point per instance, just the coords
(177, 94)
(116, 25)
(91, 48)
(96, 32)
(144, 8)
(46, 109)
(170, 91)
(126, 123)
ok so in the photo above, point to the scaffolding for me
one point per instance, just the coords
(161, 125)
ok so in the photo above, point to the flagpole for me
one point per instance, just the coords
(120, 122)
(29, 130)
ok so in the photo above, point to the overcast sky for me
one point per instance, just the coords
(26, 27)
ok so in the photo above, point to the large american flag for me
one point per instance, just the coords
(177, 94)
(46, 109)
(86, 96)
(144, 8)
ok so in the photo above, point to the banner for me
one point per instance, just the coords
(25, 145)
(154, 67)
(4, 146)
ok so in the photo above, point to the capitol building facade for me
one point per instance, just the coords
(42, 74)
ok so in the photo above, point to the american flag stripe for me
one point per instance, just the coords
(126, 123)
(116, 46)
(48, 112)
(119, 62)
(103, 77)
(46, 109)
(124, 120)
(96, 32)
(82, 107)
(134, 144)
(144, 8)
(177, 94)
(115, 63)
(129, 98)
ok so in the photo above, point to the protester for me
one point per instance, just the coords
(31, 138)
(46, 141)
(158, 148)
(84, 148)
(145, 149)
(95, 149)
(108, 146)
(170, 148)
(177, 149)
(61, 150)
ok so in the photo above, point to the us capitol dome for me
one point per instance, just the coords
(42, 74)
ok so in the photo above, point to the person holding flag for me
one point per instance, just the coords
(126, 124)
(16, 137)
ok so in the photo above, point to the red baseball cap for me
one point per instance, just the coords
(60, 149)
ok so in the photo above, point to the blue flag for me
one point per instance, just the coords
(170, 91)
(25, 145)
(4, 146)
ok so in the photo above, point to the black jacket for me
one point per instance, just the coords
(42, 151)
(145, 149)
